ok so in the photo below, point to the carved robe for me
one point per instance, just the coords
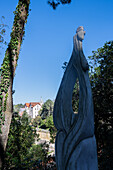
(75, 144)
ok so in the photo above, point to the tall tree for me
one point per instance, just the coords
(102, 88)
(8, 68)
(7, 72)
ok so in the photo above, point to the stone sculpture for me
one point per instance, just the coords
(75, 144)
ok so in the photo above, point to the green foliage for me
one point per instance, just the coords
(65, 65)
(17, 107)
(21, 137)
(21, 152)
(55, 3)
(101, 75)
(39, 159)
(2, 31)
(12, 52)
(37, 121)
(45, 120)
(48, 123)
(47, 109)
(75, 97)
(38, 154)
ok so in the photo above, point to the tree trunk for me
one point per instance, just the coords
(8, 71)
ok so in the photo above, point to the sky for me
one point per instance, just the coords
(48, 42)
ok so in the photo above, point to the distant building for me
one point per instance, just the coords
(44, 136)
(21, 111)
(27, 108)
(33, 108)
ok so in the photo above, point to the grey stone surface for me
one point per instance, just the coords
(75, 144)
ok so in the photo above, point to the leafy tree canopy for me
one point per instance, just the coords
(47, 108)
(17, 107)
(21, 137)
(55, 3)
(101, 75)
(2, 31)
(48, 123)
(45, 119)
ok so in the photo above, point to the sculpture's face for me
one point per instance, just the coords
(81, 34)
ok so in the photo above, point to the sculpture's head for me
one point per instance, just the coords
(80, 33)
(79, 36)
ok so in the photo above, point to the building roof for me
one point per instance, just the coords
(27, 104)
(32, 104)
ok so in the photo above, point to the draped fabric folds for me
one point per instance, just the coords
(75, 144)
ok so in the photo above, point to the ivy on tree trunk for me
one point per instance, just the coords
(7, 72)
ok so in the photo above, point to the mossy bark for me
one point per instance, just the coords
(8, 71)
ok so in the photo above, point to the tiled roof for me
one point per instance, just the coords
(27, 104)
(32, 104)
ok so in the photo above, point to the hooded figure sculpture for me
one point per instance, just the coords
(75, 144)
